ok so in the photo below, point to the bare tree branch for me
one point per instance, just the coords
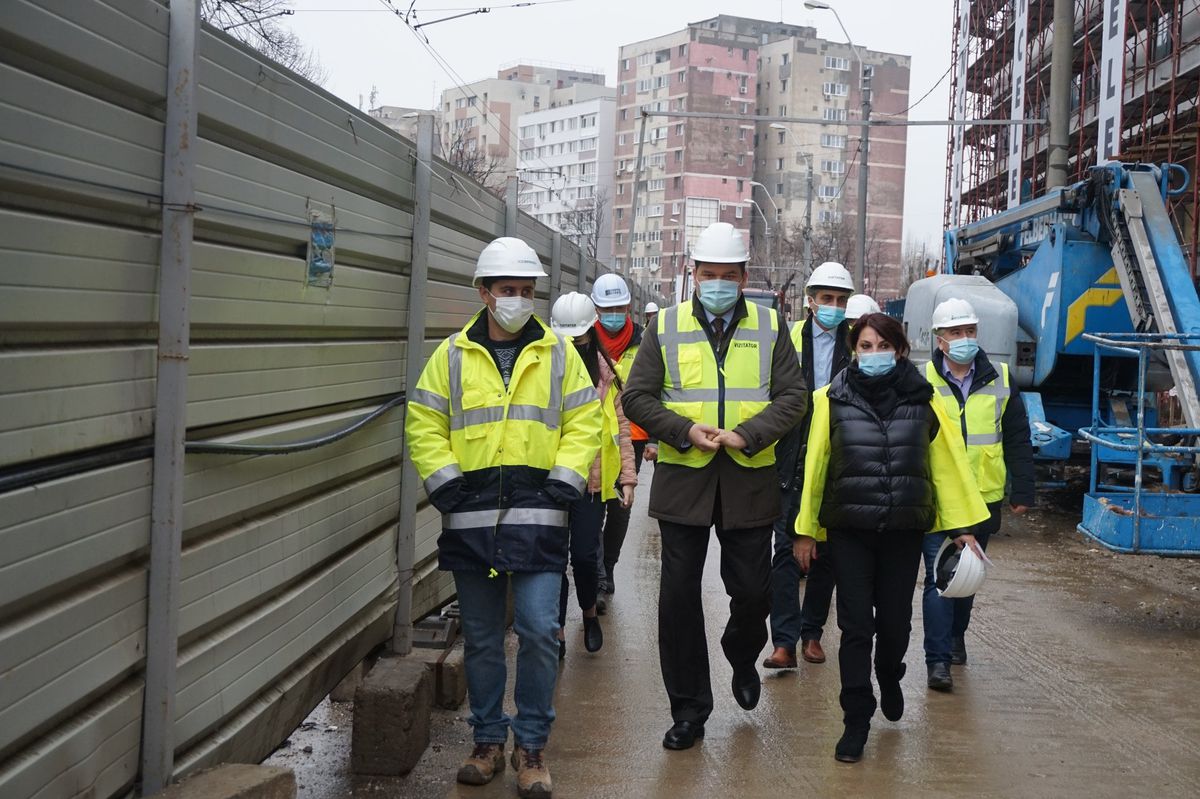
(464, 154)
(584, 224)
(256, 23)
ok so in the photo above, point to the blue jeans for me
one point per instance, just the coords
(482, 604)
(947, 619)
(785, 578)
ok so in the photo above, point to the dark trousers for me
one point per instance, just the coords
(682, 645)
(617, 523)
(786, 575)
(818, 593)
(585, 516)
(876, 574)
(946, 619)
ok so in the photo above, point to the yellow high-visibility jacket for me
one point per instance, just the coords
(957, 502)
(502, 463)
(981, 420)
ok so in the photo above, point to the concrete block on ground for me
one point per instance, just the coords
(235, 781)
(391, 717)
(344, 690)
(449, 675)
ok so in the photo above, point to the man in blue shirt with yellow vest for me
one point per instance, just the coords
(502, 428)
(716, 382)
(982, 396)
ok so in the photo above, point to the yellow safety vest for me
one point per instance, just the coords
(462, 418)
(694, 385)
(983, 413)
(610, 445)
(798, 338)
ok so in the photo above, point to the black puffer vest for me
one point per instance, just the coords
(879, 461)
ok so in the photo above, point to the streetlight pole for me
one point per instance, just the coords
(773, 244)
(864, 143)
(808, 258)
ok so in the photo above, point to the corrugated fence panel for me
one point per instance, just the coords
(289, 571)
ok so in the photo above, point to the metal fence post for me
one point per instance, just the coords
(406, 533)
(511, 196)
(555, 267)
(170, 402)
(581, 276)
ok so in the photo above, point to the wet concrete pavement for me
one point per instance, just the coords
(1082, 682)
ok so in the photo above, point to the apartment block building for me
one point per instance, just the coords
(565, 165)
(692, 171)
(478, 123)
(696, 171)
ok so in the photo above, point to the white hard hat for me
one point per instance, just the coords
(652, 307)
(508, 257)
(572, 314)
(720, 243)
(958, 573)
(610, 290)
(954, 313)
(830, 275)
(860, 305)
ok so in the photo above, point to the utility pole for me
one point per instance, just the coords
(864, 150)
(808, 256)
(1060, 92)
(637, 181)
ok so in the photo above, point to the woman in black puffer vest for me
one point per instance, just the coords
(885, 466)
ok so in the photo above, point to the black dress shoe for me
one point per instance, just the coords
(683, 735)
(593, 636)
(562, 649)
(850, 746)
(939, 677)
(958, 651)
(746, 687)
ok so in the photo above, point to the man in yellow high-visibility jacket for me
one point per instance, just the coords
(502, 428)
(982, 398)
(716, 383)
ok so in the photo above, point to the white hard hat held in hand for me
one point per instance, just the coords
(720, 243)
(572, 314)
(508, 257)
(954, 313)
(610, 291)
(830, 275)
(958, 573)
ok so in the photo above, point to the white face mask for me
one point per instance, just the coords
(512, 313)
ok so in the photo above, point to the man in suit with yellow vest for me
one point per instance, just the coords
(716, 382)
(988, 406)
(502, 427)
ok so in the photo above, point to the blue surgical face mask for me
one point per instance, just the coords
(963, 350)
(830, 316)
(612, 322)
(718, 296)
(876, 363)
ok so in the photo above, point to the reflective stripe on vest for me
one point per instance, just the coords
(550, 416)
(692, 386)
(984, 414)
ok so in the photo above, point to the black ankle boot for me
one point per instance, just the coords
(593, 636)
(850, 746)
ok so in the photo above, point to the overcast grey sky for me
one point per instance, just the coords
(371, 47)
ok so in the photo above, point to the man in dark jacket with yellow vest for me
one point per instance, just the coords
(716, 382)
(988, 406)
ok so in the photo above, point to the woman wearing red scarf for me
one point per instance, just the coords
(621, 337)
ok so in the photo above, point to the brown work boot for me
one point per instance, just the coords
(781, 658)
(485, 762)
(812, 652)
(533, 778)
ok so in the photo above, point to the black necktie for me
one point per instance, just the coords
(718, 326)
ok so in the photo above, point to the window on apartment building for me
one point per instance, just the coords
(833, 167)
(683, 49)
(679, 156)
(827, 192)
(834, 114)
(624, 63)
(662, 81)
(785, 59)
(737, 212)
(779, 188)
(740, 185)
(778, 164)
(624, 114)
(620, 213)
(783, 86)
(645, 85)
(675, 209)
(783, 110)
(620, 139)
(832, 140)
(658, 184)
(835, 89)
(829, 216)
(741, 159)
(526, 131)
(679, 129)
(745, 54)
(741, 134)
(782, 136)
(683, 76)
(624, 90)
(620, 189)
(677, 182)
(833, 62)
(619, 237)
(645, 59)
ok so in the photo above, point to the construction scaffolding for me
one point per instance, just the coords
(1160, 95)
